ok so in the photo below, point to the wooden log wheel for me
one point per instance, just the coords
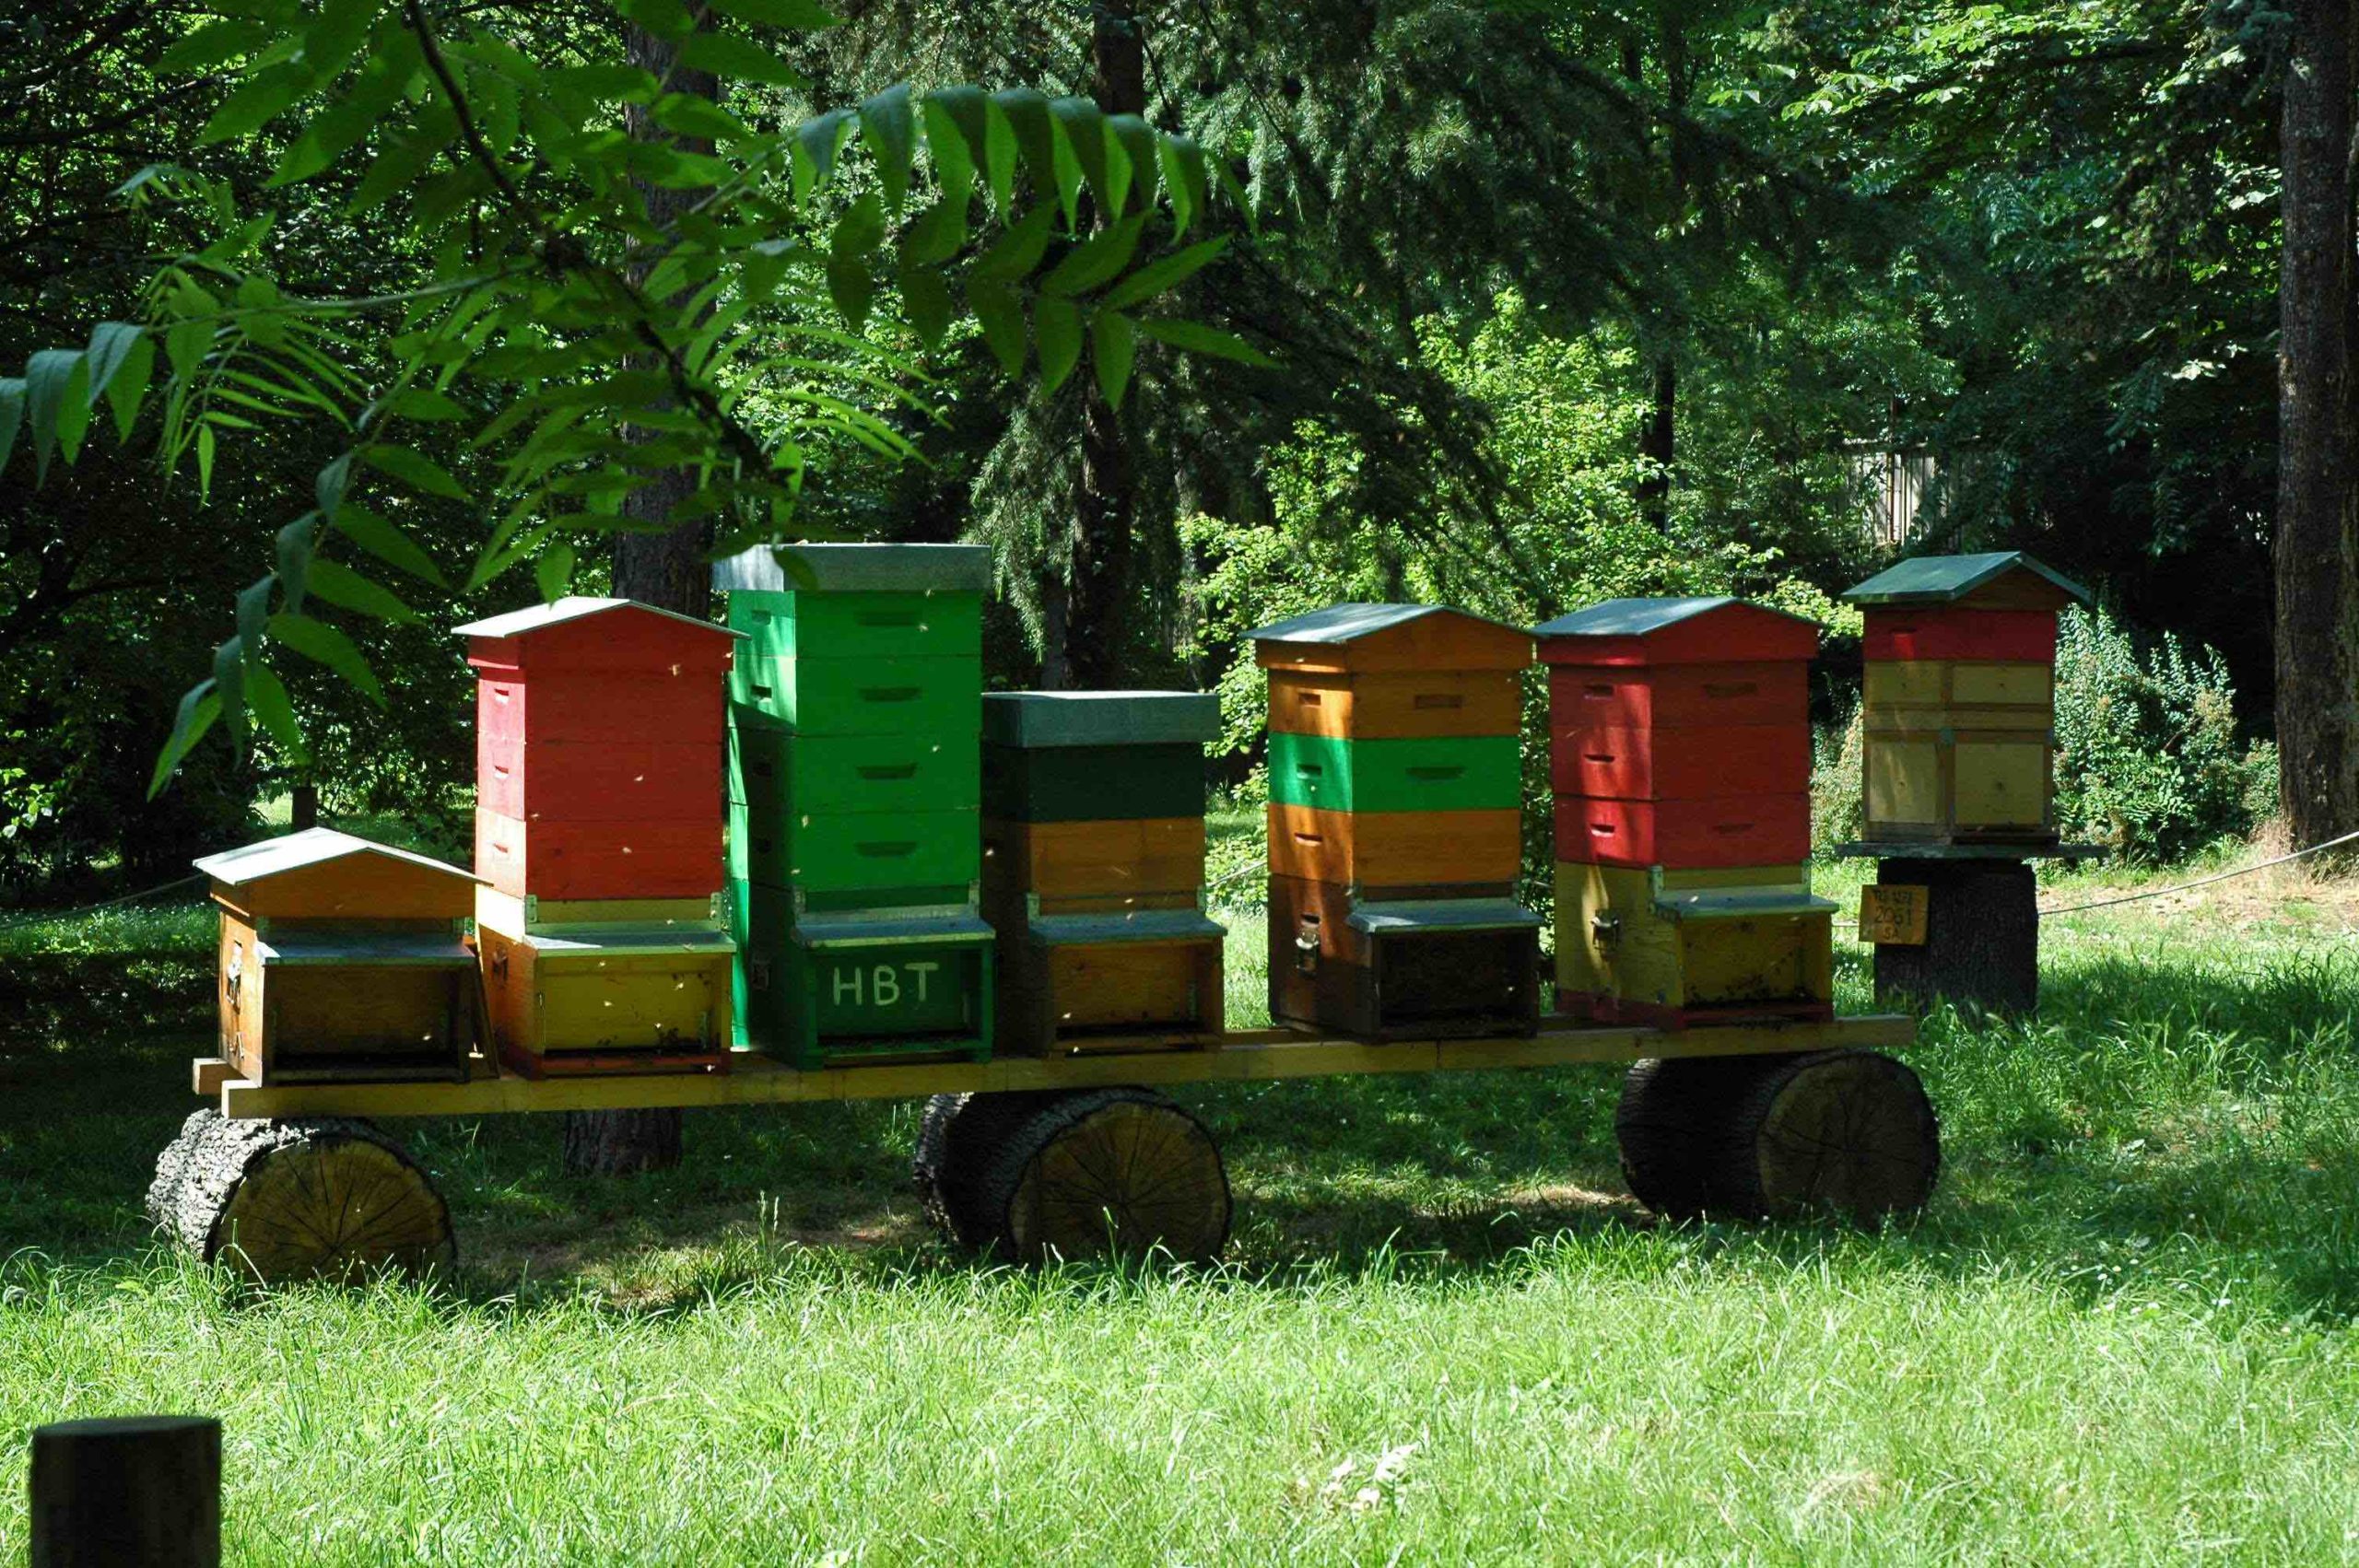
(1068, 1175)
(1848, 1132)
(319, 1198)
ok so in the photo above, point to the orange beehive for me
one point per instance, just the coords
(341, 959)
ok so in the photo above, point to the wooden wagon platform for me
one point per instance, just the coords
(1245, 1056)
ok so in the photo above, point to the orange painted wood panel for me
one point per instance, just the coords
(1073, 859)
(1680, 763)
(1445, 640)
(1679, 696)
(683, 709)
(353, 887)
(599, 780)
(1395, 849)
(1749, 830)
(1400, 707)
(599, 859)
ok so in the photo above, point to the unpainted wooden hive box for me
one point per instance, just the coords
(1958, 714)
(1679, 750)
(344, 960)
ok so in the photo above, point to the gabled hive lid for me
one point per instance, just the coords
(1359, 636)
(1716, 629)
(1956, 579)
(582, 633)
(313, 847)
(1031, 720)
(856, 568)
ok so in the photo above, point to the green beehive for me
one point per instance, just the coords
(1437, 773)
(1096, 756)
(854, 783)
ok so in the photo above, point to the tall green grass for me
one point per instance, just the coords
(2122, 1332)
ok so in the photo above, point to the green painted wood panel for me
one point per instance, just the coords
(864, 696)
(858, 625)
(854, 773)
(1443, 773)
(857, 852)
(1094, 783)
(893, 999)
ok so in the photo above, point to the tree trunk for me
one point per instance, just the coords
(1982, 947)
(1658, 442)
(2317, 503)
(1104, 511)
(127, 1492)
(669, 571)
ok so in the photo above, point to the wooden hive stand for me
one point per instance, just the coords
(1678, 750)
(855, 788)
(598, 835)
(1094, 870)
(1396, 823)
(1958, 746)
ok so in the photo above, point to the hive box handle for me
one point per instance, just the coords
(1597, 692)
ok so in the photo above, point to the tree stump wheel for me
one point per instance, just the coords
(320, 1197)
(1079, 1173)
(1847, 1131)
(1671, 1124)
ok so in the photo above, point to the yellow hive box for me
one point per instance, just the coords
(1668, 948)
(1958, 749)
(646, 993)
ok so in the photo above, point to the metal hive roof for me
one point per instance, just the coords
(574, 607)
(1349, 622)
(858, 568)
(1637, 617)
(313, 846)
(1099, 719)
(1942, 580)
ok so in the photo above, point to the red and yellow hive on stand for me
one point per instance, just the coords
(1678, 750)
(598, 834)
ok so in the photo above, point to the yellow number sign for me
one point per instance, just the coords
(1892, 915)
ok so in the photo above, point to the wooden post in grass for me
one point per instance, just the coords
(138, 1491)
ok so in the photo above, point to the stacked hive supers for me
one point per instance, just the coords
(341, 959)
(1094, 869)
(598, 830)
(1679, 750)
(1395, 823)
(1959, 712)
(855, 844)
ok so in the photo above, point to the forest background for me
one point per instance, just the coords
(1563, 302)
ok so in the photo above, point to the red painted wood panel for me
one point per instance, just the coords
(686, 708)
(1678, 697)
(1751, 830)
(1680, 763)
(598, 780)
(2007, 636)
(599, 859)
(1730, 634)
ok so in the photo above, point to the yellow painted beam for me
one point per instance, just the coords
(1255, 1055)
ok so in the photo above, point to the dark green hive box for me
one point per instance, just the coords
(823, 989)
(830, 774)
(1096, 756)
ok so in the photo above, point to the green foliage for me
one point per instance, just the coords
(587, 307)
(1837, 789)
(2149, 759)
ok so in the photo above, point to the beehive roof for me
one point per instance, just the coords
(1945, 579)
(313, 846)
(858, 568)
(1099, 719)
(1349, 622)
(575, 607)
(1640, 618)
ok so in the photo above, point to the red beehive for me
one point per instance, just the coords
(598, 750)
(1679, 733)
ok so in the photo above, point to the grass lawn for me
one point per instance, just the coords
(2121, 1333)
